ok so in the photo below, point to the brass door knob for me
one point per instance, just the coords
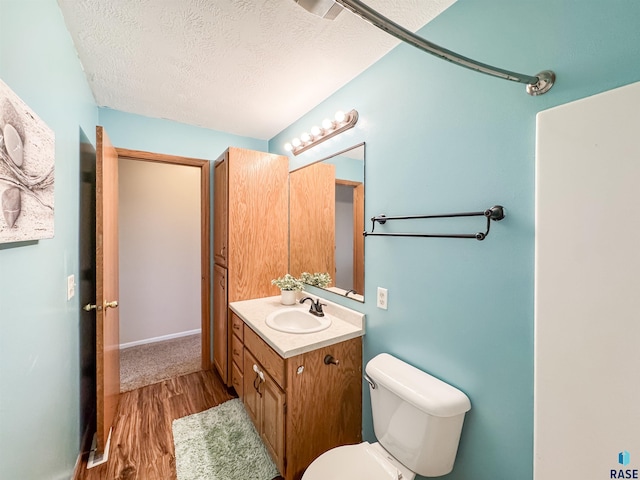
(88, 307)
(113, 304)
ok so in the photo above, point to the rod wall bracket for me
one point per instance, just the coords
(546, 79)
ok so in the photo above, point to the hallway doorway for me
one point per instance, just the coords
(164, 236)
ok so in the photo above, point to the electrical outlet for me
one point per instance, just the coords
(382, 298)
(71, 286)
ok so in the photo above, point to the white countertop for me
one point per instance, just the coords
(346, 324)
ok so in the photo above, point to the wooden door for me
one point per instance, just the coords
(252, 396)
(107, 319)
(86, 290)
(220, 322)
(272, 420)
(220, 211)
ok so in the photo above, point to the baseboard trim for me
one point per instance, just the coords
(160, 339)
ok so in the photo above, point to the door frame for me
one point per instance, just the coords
(205, 234)
(358, 228)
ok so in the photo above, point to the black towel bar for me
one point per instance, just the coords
(495, 213)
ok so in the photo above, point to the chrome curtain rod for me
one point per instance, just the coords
(536, 85)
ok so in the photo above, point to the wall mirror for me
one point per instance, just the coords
(326, 220)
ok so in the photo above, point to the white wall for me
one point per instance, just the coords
(587, 331)
(159, 250)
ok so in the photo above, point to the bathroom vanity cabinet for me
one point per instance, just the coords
(250, 237)
(303, 405)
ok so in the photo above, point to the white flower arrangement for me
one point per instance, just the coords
(318, 279)
(288, 282)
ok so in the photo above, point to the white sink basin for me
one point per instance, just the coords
(297, 320)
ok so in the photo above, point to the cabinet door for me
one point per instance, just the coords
(220, 324)
(258, 230)
(252, 396)
(220, 211)
(272, 431)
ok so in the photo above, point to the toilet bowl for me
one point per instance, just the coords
(364, 461)
(417, 420)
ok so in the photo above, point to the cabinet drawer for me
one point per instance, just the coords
(237, 326)
(236, 352)
(237, 380)
(268, 358)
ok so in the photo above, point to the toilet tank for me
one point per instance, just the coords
(416, 417)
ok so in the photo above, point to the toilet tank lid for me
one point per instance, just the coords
(427, 393)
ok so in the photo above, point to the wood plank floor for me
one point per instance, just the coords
(142, 438)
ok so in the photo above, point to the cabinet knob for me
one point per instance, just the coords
(329, 360)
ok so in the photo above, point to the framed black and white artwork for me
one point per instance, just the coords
(27, 161)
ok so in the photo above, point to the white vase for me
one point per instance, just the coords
(288, 297)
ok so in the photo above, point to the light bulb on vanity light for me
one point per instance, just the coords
(327, 124)
(288, 147)
(315, 131)
(340, 116)
(296, 142)
(305, 137)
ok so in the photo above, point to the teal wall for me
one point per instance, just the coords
(439, 139)
(135, 132)
(39, 359)
(348, 168)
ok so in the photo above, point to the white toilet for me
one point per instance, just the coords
(417, 420)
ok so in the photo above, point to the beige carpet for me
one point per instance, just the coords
(153, 362)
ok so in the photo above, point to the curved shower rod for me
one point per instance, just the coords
(536, 85)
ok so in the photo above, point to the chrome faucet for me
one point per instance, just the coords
(316, 307)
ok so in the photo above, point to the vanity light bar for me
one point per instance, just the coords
(330, 128)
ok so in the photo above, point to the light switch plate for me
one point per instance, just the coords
(71, 286)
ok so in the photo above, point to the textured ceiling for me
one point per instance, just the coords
(248, 67)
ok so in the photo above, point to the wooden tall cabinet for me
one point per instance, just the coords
(250, 235)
